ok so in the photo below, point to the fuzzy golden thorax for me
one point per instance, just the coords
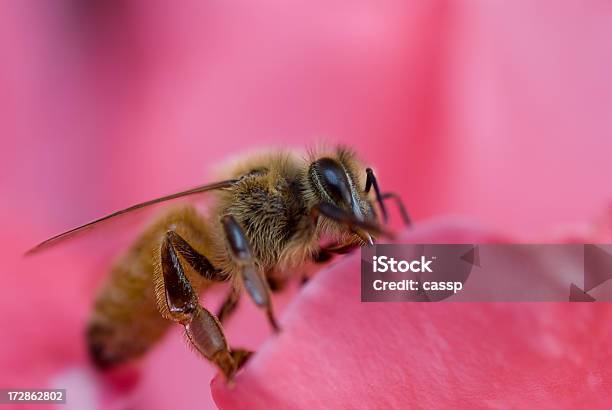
(273, 202)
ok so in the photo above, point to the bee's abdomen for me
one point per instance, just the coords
(126, 320)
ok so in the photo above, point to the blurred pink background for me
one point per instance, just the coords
(496, 111)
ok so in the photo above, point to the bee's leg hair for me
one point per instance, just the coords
(381, 197)
(229, 304)
(202, 328)
(252, 278)
(194, 258)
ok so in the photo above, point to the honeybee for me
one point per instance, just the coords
(267, 217)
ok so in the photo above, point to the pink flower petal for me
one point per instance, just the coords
(336, 352)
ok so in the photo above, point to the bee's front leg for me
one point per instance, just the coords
(382, 197)
(253, 280)
(358, 226)
(203, 328)
(326, 253)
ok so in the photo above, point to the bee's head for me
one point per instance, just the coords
(334, 179)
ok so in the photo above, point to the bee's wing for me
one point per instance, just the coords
(57, 239)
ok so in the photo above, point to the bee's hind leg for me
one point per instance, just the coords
(202, 328)
(254, 282)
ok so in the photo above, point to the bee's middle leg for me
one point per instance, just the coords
(254, 282)
(229, 304)
(202, 328)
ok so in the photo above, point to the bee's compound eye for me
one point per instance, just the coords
(332, 178)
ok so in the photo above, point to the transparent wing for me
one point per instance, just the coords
(57, 239)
